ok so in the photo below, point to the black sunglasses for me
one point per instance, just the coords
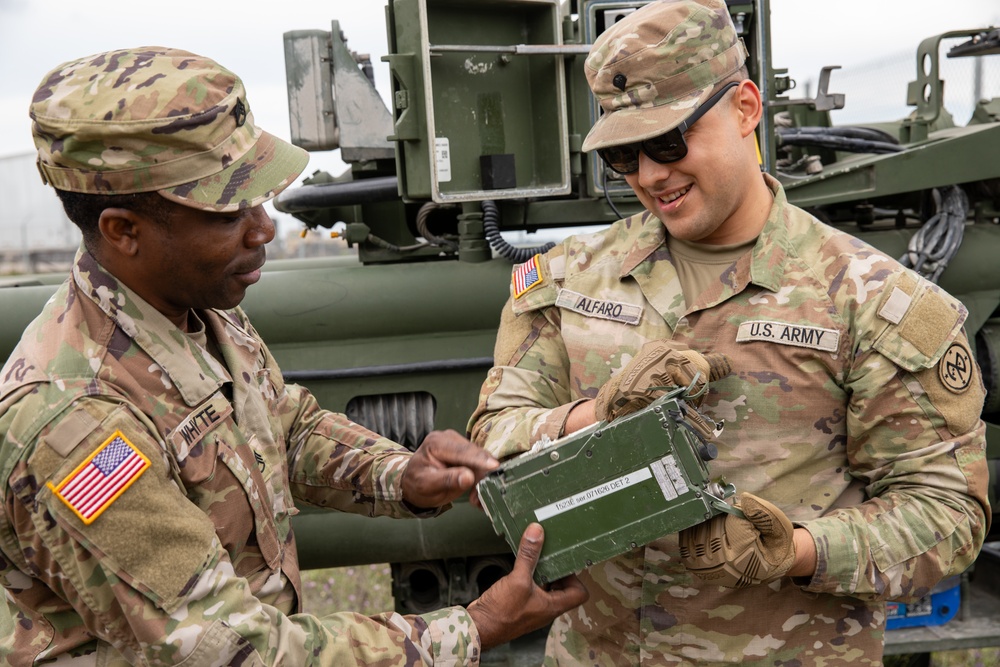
(665, 148)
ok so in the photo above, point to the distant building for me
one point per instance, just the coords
(35, 234)
(37, 237)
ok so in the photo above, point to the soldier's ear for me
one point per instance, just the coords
(749, 106)
(119, 228)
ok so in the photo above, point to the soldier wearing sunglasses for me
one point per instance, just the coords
(851, 415)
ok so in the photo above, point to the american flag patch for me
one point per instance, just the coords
(526, 276)
(98, 481)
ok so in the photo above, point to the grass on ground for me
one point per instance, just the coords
(366, 589)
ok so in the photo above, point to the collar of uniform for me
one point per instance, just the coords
(769, 257)
(652, 236)
(233, 335)
(190, 369)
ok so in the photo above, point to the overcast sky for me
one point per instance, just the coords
(246, 36)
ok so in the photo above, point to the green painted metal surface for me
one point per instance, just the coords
(606, 489)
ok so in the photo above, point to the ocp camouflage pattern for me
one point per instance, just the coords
(195, 562)
(837, 411)
(648, 79)
(157, 119)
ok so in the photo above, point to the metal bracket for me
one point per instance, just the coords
(824, 101)
(721, 505)
(927, 91)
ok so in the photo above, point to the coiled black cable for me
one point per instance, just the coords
(449, 244)
(937, 241)
(491, 228)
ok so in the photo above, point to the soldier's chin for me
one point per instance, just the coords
(230, 299)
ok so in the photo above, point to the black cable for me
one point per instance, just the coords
(440, 241)
(392, 247)
(851, 138)
(835, 142)
(607, 197)
(852, 131)
(936, 242)
(491, 228)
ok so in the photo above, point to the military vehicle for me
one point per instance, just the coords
(481, 138)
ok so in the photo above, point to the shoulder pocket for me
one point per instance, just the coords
(145, 533)
(243, 463)
(920, 322)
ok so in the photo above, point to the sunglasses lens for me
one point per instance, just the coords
(623, 159)
(668, 147)
(664, 148)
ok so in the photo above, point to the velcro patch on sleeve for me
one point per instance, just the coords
(102, 477)
(514, 337)
(895, 306)
(921, 322)
(557, 264)
(930, 322)
(955, 387)
(71, 431)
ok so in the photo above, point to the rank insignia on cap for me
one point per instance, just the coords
(239, 112)
(105, 475)
(526, 276)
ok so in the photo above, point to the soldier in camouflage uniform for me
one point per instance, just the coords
(853, 406)
(151, 454)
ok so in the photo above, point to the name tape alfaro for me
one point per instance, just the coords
(602, 308)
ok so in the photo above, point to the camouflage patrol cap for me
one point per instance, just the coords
(653, 68)
(154, 119)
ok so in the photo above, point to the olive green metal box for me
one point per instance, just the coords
(608, 488)
(478, 99)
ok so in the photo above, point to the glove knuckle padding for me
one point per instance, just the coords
(659, 363)
(735, 552)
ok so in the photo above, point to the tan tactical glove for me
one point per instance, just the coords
(660, 363)
(735, 552)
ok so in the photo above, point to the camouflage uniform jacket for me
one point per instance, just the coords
(148, 490)
(854, 406)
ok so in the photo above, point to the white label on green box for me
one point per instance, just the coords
(442, 158)
(669, 477)
(590, 495)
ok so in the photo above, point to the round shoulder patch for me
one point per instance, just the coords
(955, 368)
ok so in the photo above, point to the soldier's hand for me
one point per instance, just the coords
(445, 466)
(660, 363)
(735, 552)
(515, 604)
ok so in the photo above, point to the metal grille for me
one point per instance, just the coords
(405, 418)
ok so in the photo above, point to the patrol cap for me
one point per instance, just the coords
(652, 69)
(155, 119)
